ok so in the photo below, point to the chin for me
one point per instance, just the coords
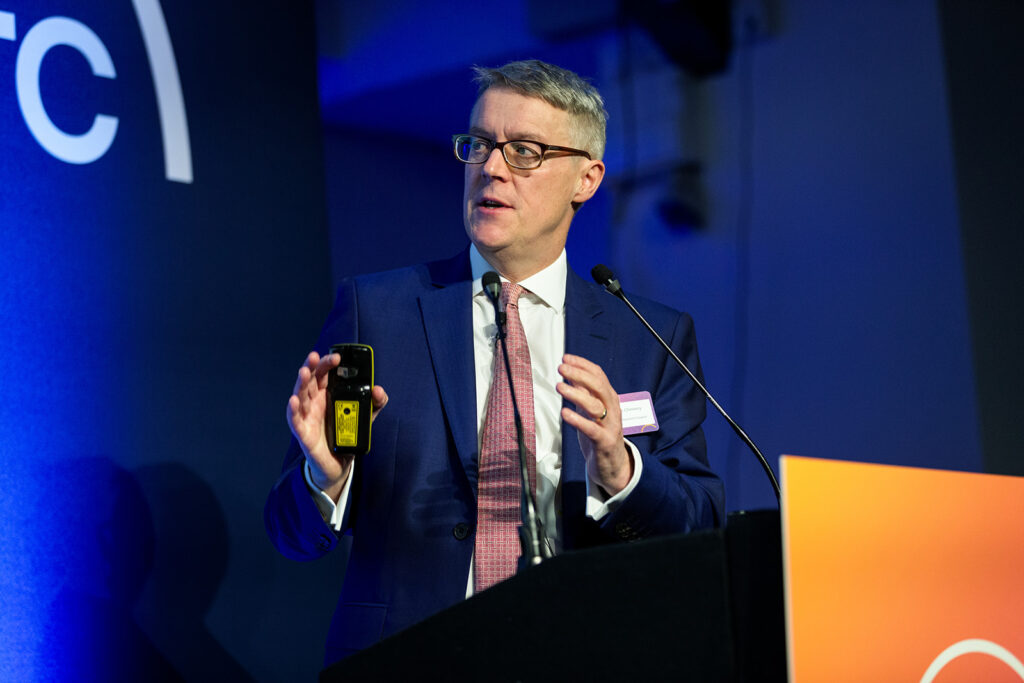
(487, 235)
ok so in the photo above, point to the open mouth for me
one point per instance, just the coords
(492, 204)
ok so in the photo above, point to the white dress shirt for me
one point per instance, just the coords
(542, 312)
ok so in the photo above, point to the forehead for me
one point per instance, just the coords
(505, 115)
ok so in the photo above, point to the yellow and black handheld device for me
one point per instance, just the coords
(348, 400)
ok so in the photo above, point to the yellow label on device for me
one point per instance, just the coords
(346, 423)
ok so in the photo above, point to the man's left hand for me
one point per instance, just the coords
(598, 422)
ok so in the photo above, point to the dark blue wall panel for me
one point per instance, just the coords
(151, 330)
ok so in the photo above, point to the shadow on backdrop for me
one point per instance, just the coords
(97, 550)
(135, 560)
(190, 561)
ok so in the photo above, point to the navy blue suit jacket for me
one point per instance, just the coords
(413, 506)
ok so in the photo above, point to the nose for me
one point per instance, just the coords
(495, 166)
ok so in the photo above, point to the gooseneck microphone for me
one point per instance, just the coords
(531, 531)
(492, 286)
(603, 276)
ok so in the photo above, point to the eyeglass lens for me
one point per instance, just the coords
(519, 153)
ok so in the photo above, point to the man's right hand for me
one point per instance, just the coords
(306, 409)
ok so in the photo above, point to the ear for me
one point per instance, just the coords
(591, 175)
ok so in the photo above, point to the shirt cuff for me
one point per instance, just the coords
(599, 503)
(333, 513)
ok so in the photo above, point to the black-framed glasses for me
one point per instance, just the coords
(522, 154)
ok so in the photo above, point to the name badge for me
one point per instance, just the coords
(638, 413)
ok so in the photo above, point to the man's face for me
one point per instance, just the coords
(521, 218)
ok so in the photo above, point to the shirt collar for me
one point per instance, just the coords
(548, 285)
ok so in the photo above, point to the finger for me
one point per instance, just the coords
(300, 382)
(606, 445)
(292, 410)
(309, 366)
(582, 399)
(303, 402)
(311, 383)
(324, 367)
(582, 363)
(297, 421)
(310, 362)
(584, 369)
(296, 417)
(579, 376)
(305, 388)
(594, 382)
(325, 364)
(597, 432)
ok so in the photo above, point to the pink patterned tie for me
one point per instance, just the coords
(498, 489)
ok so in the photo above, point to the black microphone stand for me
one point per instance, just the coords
(531, 531)
(603, 276)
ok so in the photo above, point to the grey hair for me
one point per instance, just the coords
(560, 88)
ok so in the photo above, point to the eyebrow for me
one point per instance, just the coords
(535, 137)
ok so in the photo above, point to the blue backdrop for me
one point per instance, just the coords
(175, 206)
(159, 283)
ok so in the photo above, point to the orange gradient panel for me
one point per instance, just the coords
(886, 567)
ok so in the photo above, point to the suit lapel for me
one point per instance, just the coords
(586, 334)
(448, 321)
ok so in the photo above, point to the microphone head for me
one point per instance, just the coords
(492, 284)
(603, 276)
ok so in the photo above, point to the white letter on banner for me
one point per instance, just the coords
(48, 33)
(169, 100)
(971, 645)
(7, 26)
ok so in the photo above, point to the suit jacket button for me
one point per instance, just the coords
(460, 531)
(323, 543)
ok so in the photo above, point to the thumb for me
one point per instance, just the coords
(378, 399)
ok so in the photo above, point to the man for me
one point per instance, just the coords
(423, 506)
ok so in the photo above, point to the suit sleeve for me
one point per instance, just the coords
(677, 492)
(291, 517)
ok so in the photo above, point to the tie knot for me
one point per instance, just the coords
(510, 294)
